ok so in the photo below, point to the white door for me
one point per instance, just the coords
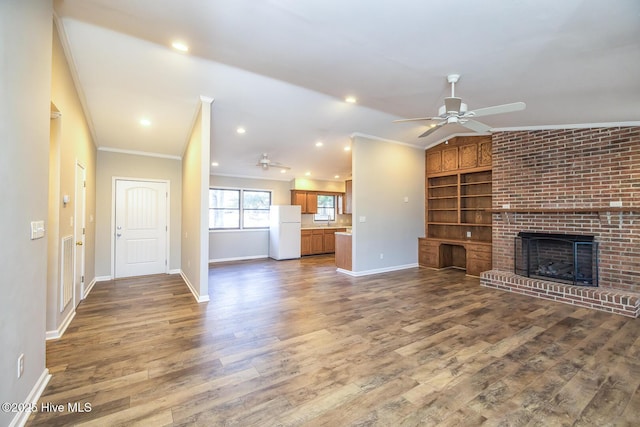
(79, 234)
(140, 228)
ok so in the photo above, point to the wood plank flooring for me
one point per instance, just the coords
(292, 343)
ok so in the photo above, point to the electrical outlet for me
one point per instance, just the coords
(468, 234)
(20, 365)
(381, 256)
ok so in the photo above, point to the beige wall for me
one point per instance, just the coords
(119, 165)
(25, 83)
(71, 143)
(195, 199)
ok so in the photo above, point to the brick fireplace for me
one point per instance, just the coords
(570, 181)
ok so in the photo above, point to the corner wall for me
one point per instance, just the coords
(71, 143)
(388, 193)
(195, 204)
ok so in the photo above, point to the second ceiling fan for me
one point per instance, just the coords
(455, 111)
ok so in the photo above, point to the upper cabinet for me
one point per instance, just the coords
(307, 200)
(347, 202)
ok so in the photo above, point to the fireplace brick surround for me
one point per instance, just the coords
(562, 181)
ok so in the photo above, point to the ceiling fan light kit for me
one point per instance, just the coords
(455, 111)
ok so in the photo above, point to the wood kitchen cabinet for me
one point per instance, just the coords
(343, 251)
(305, 242)
(307, 200)
(318, 241)
(347, 201)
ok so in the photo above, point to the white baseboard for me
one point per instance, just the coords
(377, 270)
(32, 399)
(240, 258)
(88, 288)
(57, 333)
(196, 294)
(174, 271)
(103, 278)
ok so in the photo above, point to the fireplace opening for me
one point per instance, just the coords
(564, 258)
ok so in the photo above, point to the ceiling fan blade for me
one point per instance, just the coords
(417, 119)
(452, 104)
(475, 126)
(498, 109)
(433, 129)
(278, 166)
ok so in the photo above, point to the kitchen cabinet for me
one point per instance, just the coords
(318, 241)
(347, 201)
(305, 242)
(307, 200)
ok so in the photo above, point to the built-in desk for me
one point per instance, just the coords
(474, 257)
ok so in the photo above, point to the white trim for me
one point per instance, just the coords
(568, 126)
(21, 418)
(199, 298)
(286, 179)
(377, 138)
(377, 270)
(89, 288)
(55, 334)
(174, 271)
(103, 278)
(240, 258)
(114, 180)
(139, 153)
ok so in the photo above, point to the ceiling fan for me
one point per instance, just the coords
(455, 111)
(265, 163)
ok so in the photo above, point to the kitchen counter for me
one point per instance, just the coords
(324, 227)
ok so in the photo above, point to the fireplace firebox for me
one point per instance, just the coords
(564, 258)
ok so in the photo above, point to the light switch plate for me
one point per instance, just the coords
(37, 230)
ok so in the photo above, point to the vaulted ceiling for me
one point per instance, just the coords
(281, 69)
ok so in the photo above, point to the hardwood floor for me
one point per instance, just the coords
(287, 343)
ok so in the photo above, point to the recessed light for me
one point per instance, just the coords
(432, 125)
(307, 174)
(180, 46)
(241, 130)
(336, 176)
(319, 144)
(215, 164)
(145, 122)
(347, 148)
(350, 99)
(283, 171)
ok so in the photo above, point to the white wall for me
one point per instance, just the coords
(120, 165)
(25, 86)
(384, 174)
(230, 245)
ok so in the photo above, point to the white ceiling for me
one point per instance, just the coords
(281, 69)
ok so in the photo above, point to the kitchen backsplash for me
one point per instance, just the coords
(341, 220)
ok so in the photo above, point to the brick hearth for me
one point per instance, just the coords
(627, 304)
(562, 181)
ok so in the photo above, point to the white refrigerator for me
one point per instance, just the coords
(284, 231)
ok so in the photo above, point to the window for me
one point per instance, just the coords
(238, 209)
(326, 208)
(255, 208)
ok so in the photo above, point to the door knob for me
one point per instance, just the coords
(79, 243)
(118, 234)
